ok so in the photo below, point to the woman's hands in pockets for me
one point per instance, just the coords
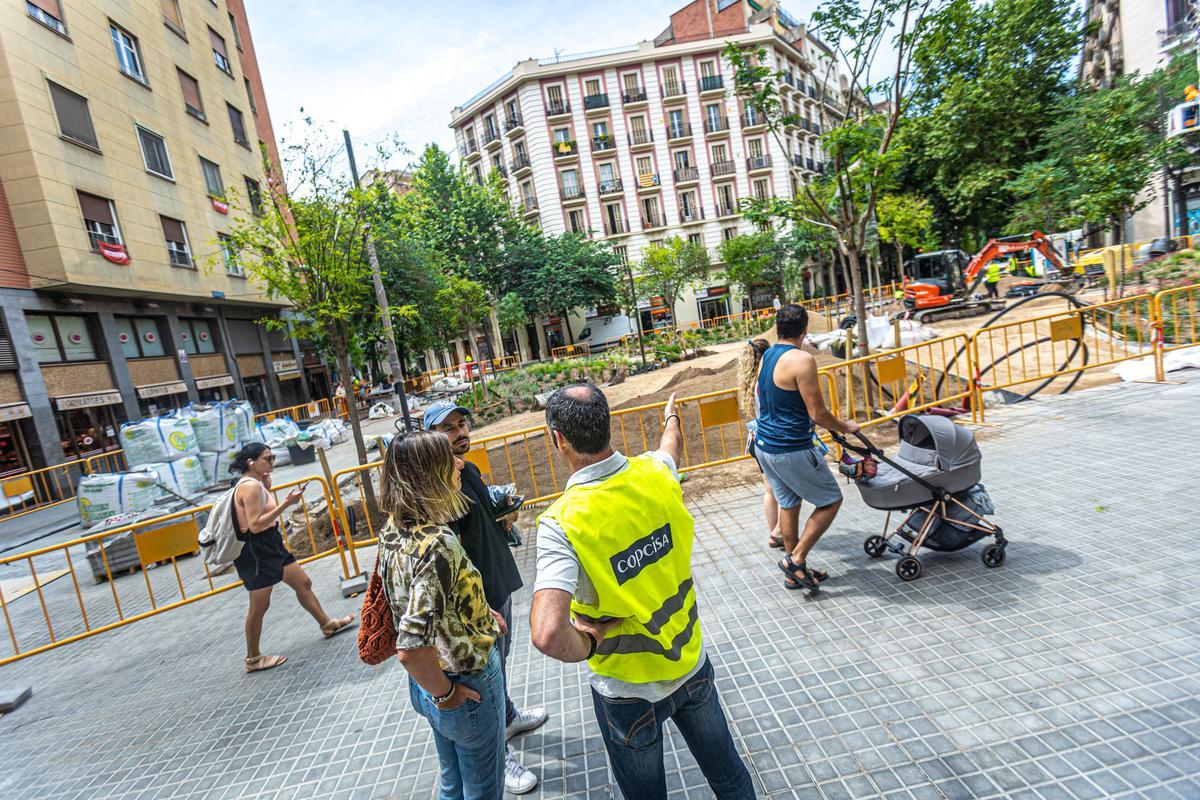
(500, 623)
(462, 693)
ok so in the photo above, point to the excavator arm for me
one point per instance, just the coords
(997, 248)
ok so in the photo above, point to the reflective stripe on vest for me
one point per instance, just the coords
(633, 537)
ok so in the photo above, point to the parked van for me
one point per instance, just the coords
(601, 333)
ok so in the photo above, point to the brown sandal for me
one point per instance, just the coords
(339, 625)
(260, 662)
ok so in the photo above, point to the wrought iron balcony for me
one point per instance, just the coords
(719, 168)
(629, 98)
(758, 162)
(716, 124)
(593, 101)
(557, 108)
(711, 83)
(687, 174)
(611, 187)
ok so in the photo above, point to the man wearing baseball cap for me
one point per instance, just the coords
(483, 538)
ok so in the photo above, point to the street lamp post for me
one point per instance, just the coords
(385, 313)
(636, 312)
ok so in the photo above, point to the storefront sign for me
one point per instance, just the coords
(711, 291)
(74, 401)
(161, 389)
(287, 365)
(14, 411)
(290, 375)
(212, 383)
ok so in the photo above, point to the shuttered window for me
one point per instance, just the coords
(154, 152)
(243, 337)
(8, 355)
(99, 220)
(212, 178)
(220, 55)
(238, 122)
(171, 15)
(191, 95)
(177, 242)
(74, 120)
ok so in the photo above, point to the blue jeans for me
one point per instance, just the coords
(633, 736)
(504, 644)
(469, 739)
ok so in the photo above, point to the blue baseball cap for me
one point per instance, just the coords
(439, 411)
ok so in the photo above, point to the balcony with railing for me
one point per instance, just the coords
(716, 125)
(755, 163)
(491, 137)
(641, 138)
(573, 193)
(603, 142)
(557, 108)
(674, 91)
(691, 215)
(653, 221)
(616, 227)
(519, 164)
(611, 187)
(712, 83)
(594, 102)
(812, 166)
(500, 168)
(719, 168)
(726, 209)
(529, 204)
(567, 148)
(633, 98)
(648, 181)
(753, 118)
(1172, 33)
(687, 174)
(468, 149)
(797, 161)
(681, 130)
(514, 123)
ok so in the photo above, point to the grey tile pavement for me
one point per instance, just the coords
(1071, 671)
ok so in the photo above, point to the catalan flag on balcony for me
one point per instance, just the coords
(647, 180)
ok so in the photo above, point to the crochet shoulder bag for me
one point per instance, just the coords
(377, 631)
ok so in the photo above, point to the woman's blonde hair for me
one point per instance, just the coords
(418, 481)
(748, 361)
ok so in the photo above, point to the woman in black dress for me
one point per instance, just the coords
(264, 561)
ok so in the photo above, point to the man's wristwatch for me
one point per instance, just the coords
(593, 643)
(447, 697)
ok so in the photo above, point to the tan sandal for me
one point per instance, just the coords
(339, 625)
(260, 662)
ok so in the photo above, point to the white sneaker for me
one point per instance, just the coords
(517, 779)
(525, 721)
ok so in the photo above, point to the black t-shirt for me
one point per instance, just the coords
(483, 539)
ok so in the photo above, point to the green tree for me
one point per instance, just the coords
(991, 79)
(575, 272)
(905, 220)
(671, 267)
(511, 312)
(461, 304)
(752, 259)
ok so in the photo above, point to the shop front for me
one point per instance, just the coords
(158, 385)
(88, 423)
(254, 378)
(763, 296)
(287, 373)
(552, 328)
(712, 302)
(316, 374)
(655, 313)
(213, 381)
(14, 450)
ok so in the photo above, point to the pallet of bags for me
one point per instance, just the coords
(277, 435)
(334, 431)
(159, 439)
(216, 426)
(242, 413)
(106, 494)
(184, 477)
(216, 466)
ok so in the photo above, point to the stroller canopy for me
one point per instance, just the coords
(937, 442)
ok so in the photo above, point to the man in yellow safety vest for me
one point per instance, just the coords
(614, 588)
(993, 278)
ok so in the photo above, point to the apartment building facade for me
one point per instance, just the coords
(637, 144)
(130, 140)
(1128, 37)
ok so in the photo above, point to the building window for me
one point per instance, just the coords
(177, 242)
(192, 103)
(129, 57)
(254, 197)
(576, 221)
(220, 55)
(695, 238)
(670, 81)
(154, 154)
(754, 148)
(74, 119)
(171, 16)
(238, 123)
(633, 86)
(622, 252)
(140, 337)
(229, 254)
(60, 337)
(212, 178)
(237, 35)
(728, 233)
(719, 154)
(477, 174)
(99, 220)
(250, 97)
(570, 184)
(47, 12)
(197, 336)
(760, 188)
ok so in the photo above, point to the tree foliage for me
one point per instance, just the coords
(751, 260)
(669, 268)
(905, 220)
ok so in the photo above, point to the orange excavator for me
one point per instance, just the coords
(942, 285)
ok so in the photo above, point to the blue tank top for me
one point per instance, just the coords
(783, 421)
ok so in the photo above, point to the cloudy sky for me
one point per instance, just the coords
(400, 66)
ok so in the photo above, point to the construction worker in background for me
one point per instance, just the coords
(992, 282)
(1013, 267)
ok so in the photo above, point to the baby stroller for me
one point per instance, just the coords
(935, 478)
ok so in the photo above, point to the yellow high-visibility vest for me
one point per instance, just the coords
(993, 272)
(633, 537)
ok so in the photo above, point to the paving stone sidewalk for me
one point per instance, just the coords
(1072, 671)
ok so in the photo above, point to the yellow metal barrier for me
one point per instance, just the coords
(75, 609)
(567, 351)
(1176, 314)
(1023, 353)
(297, 413)
(27, 492)
(112, 461)
(890, 383)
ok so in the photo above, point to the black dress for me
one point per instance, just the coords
(263, 557)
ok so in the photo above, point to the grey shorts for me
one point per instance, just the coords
(799, 475)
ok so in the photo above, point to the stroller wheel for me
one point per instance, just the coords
(993, 556)
(909, 569)
(875, 545)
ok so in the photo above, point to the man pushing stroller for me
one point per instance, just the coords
(790, 403)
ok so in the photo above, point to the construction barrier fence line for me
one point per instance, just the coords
(871, 390)
(70, 607)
